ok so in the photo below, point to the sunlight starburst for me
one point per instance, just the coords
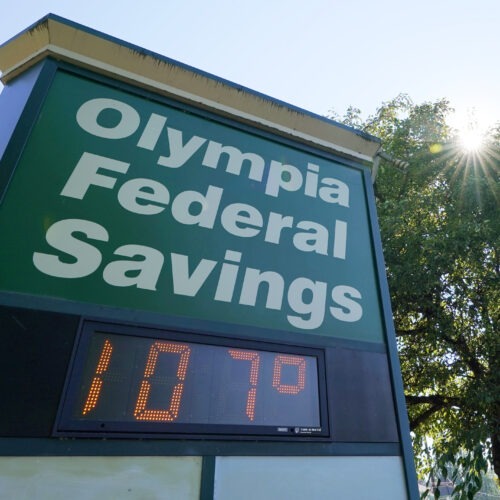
(471, 139)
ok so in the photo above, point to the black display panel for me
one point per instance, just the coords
(127, 381)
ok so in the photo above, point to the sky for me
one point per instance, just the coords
(318, 55)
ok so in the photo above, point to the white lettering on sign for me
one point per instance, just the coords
(282, 177)
(61, 237)
(88, 114)
(203, 209)
(77, 245)
(235, 159)
(306, 298)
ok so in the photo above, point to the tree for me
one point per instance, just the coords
(440, 227)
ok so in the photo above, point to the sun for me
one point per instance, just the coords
(471, 130)
(471, 139)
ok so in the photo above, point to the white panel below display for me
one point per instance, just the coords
(100, 478)
(310, 478)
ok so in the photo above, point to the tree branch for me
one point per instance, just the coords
(433, 399)
(437, 403)
(414, 423)
(461, 346)
(412, 331)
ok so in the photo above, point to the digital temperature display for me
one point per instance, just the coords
(168, 383)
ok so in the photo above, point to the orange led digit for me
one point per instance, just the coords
(96, 386)
(130, 381)
(169, 415)
(279, 361)
(254, 377)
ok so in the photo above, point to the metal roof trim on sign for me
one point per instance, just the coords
(64, 40)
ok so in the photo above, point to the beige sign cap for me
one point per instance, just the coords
(67, 41)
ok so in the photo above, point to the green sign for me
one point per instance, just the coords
(123, 201)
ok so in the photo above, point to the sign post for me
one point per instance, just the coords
(201, 269)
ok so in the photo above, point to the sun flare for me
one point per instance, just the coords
(471, 139)
(471, 128)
